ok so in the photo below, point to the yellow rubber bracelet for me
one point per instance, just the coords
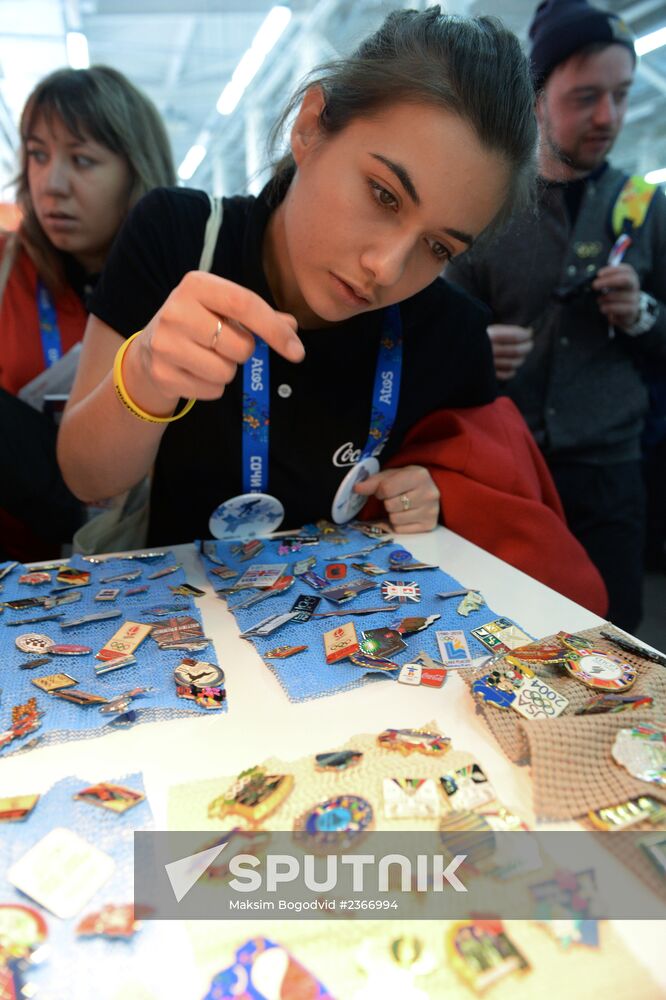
(122, 394)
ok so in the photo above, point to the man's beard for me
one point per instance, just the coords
(576, 158)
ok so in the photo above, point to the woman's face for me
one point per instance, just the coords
(80, 190)
(374, 212)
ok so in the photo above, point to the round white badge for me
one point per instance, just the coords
(346, 503)
(246, 516)
(34, 642)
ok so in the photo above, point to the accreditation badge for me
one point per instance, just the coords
(246, 516)
(346, 503)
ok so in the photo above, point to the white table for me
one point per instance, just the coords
(262, 723)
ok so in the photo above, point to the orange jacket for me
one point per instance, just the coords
(21, 355)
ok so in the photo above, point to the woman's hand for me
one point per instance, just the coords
(193, 346)
(410, 497)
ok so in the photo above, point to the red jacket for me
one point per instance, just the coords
(21, 355)
(497, 492)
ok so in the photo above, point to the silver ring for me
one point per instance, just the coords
(405, 501)
(218, 331)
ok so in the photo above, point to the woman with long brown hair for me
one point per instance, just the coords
(91, 146)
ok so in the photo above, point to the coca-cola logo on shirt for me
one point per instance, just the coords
(346, 455)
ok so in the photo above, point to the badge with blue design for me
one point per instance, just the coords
(347, 503)
(339, 821)
(246, 516)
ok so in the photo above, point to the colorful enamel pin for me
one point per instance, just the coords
(407, 741)
(254, 796)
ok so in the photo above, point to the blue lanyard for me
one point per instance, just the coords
(48, 326)
(386, 391)
(256, 402)
(256, 418)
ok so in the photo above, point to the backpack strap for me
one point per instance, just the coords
(632, 205)
(212, 231)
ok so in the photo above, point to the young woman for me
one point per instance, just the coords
(91, 146)
(324, 339)
(400, 157)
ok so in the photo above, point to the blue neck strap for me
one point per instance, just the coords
(256, 402)
(48, 326)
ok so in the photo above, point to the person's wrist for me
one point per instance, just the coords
(138, 380)
(645, 318)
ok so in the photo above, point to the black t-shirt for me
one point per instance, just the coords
(319, 409)
(79, 279)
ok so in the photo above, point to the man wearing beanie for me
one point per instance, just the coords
(576, 314)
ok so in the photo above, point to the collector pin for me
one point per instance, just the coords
(36, 620)
(313, 579)
(41, 661)
(35, 578)
(115, 664)
(224, 572)
(34, 642)
(336, 571)
(341, 642)
(53, 682)
(347, 815)
(70, 577)
(601, 670)
(163, 572)
(98, 616)
(283, 652)
(372, 662)
(268, 625)
(500, 636)
(186, 590)
(408, 741)
(261, 575)
(409, 626)
(303, 566)
(370, 569)
(6, 569)
(59, 649)
(304, 607)
(107, 594)
(398, 557)
(381, 642)
(401, 591)
(254, 796)
(337, 760)
(274, 590)
(124, 641)
(133, 574)
(410, 673)
(347, 591)
(82, 698)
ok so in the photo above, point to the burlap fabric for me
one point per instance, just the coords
(572, 768)
(188, 804)
(629, 853)
(332, 949)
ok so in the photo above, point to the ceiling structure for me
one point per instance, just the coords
(182, 53)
